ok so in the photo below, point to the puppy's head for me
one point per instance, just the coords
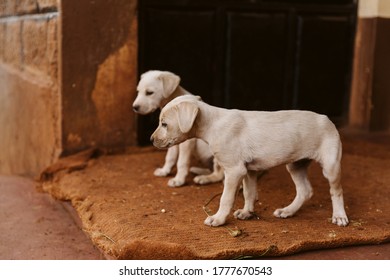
(176, 123)
(153, 89)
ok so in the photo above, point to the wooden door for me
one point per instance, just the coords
(252, 54)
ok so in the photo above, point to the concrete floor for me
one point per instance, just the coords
(33, 226)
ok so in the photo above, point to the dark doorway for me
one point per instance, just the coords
(252, 54)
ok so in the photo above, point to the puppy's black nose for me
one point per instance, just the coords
(136, 108)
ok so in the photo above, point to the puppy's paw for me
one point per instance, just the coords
(202, 180)
(161, 172)
(282, 213)
(214, 221)
(243, 214)
(341, 221)
(176, 182)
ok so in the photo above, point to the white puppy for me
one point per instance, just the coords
(244, 142)
(155, 89)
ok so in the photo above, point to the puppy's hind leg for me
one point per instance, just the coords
(200, 171)
(250, 196)
(170, 161)
(298, 172)
(331, 169)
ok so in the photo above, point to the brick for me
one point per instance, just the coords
(3, 7)
(52, 47)
(45, 5)
(26, 7)
(22, 7)
(2, 40)
(40, 45)
(7, 7)
(34, 38)
(13, 44)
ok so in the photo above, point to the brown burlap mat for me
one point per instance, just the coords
(131, 214)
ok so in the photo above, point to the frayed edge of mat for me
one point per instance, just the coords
(71, 163)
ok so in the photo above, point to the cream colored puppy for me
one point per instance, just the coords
(155, 89)
(244, 142)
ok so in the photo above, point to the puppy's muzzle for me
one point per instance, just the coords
(155, 141)
(159, 143)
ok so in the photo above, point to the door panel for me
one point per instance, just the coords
(252, 54)
(323, 61)
(256, 53)
(181, 42)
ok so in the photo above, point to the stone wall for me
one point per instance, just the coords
(68, 73)
(29, 85)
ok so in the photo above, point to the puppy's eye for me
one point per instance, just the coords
(163, 124)
(149, 92)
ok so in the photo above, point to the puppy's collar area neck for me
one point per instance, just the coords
(202, 125)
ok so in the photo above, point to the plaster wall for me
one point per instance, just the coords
(29, 94)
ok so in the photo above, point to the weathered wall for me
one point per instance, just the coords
(29, 96)
(99, 73)
(370, 99)
(68, 73)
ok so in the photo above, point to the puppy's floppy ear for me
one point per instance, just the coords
(170, 82)
(186, 113)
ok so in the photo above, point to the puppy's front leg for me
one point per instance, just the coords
(183, 163)
(233, 177)
(170, 161)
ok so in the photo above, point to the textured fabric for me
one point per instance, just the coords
(131, 214)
